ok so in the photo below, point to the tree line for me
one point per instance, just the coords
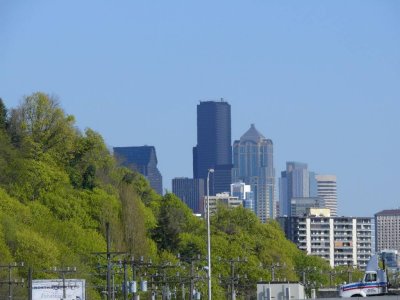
(59, 187)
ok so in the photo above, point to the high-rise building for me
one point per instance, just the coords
(343, 241)
(190, 191)
(253, 164)
(387, 229)
(294, 183)
(326, 185)
(297, 182)
(142, 159)
(213, 149)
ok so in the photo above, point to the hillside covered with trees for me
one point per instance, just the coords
(59, 187)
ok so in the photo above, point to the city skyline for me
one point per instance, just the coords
(319, 79)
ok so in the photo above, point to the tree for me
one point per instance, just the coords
(3, 115)
(41, 126)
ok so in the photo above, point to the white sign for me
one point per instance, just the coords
(53, 289)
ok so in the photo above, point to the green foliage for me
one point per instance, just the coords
(3, 115)
(59, 188)
(174, 219)
(40, 126)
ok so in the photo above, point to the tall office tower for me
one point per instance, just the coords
(387, 230)
(326, 186)
(142, 159)
(190, 191)
(213, 149)
(294, 183)
(253, 164)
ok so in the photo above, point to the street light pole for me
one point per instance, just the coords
(208, 233)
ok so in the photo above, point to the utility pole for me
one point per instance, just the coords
(108, 256)
(30, 283)
(135, 264)
(10, 282)
(232, 278)
(63, 272)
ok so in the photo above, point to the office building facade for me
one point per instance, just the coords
(253, 165)
(142, 159)
(213, 149)
(190, 191)
(387, 230)
(295, 182)
(327, 192)
(300, 206)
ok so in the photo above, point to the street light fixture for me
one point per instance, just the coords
(208, 233)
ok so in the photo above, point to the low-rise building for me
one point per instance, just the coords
(221, 199)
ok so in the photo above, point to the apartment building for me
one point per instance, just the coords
(343, 241)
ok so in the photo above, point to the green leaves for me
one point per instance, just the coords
(40, 126)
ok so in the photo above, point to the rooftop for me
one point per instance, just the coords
(389, 212)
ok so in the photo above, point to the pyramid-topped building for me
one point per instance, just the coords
(253, 165)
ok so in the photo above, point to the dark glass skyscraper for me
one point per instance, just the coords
(213, 149)
(142, 159)
(190, 191)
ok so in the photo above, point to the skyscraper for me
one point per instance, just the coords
(142, 159)
(326, 185)
(253, 164)
(190, 191)
(294, 183)
(306, 187)
(213, 149)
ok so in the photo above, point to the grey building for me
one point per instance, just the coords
(142, 159)
(253, 165)
(387, 229)
(300, 206)
(295, 182)
(190, 191)
(213, 149)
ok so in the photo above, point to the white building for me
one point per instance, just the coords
(244, 193)
(343, 241)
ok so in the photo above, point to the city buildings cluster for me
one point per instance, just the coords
(243, 174)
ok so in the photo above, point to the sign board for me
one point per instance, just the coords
(53, 289)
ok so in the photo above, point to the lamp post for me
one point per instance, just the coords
(208, 233)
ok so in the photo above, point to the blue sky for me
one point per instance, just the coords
(320, 78)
